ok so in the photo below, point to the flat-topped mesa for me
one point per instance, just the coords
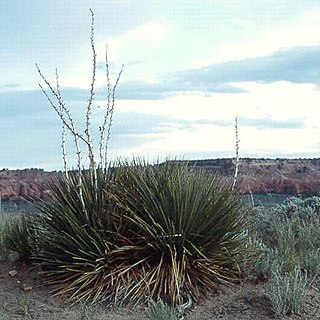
(256, 175)
(18, 185)
(259, 175)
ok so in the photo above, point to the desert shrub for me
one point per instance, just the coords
(145, 231)
(267, 260)
(135, 231)
(16, 234)
(86, 312)
(289, 235)
(187, 231)
(3, 249)
(73, 239)
(4, 314)
(159, 310)
(287, 291)
(305, 209)
(311, 262)
(288, 245)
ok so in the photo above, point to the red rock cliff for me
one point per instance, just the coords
(290, 176)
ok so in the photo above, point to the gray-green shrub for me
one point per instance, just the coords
(287, 291)
(159, 310)
(15, 234)
(289, 234)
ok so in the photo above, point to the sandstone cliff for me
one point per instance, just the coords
(18, 185)
(289, 176)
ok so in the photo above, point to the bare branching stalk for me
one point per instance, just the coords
(106, 116)
(68, 124)
(109, 124)
(88, 130)
(237, 153)
(63, 111)
(105, 129)
(64, 131)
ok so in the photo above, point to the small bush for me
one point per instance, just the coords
(3, 249)
(15, 234)
(86, 312)
(312, 262)
(4, 314)
(287, 292)
(145, 231)
(190, 230)
(160, 311)
(289, 236)
(268, 259)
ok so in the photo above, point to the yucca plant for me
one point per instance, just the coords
(77, 229)
(72, 238)
(151, 231)
(136, 231)
(187, 231)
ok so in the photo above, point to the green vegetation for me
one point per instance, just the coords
(287, 291)
(289, 235)
(191, 229)
(4, 314)
(86, 312)
(15, 235)
(147, 234)
(289, 242)
(145, 231)
(138, 232)
(159, 310)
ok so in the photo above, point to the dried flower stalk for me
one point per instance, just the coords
(68, 124)
(237, 153)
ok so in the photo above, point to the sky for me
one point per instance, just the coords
(190, 67)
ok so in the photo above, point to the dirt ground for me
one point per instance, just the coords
(23, 297)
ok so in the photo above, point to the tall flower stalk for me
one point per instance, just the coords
(55, 98)
(236, 127)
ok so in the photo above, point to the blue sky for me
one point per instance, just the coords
(190, 67)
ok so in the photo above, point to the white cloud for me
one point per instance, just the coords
(218, 140)
(304, 31)
(141, 44)
(204, 138)
(142, 39)
(279, 101)
(154, 32)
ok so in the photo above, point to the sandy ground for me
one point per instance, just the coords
(23, 297)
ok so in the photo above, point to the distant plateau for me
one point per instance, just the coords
(256, 176)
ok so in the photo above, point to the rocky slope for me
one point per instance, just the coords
(17, 185)
(260, 176)
(289, 176)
